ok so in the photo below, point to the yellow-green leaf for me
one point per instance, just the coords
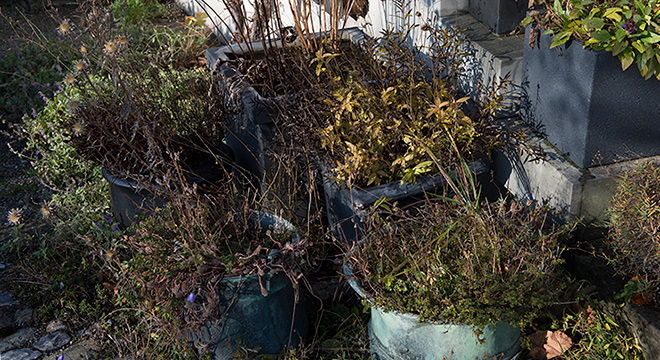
(613, 14)
(626, 59)
(560, 38)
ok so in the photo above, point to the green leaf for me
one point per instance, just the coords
(558, 9)
(621, 34)
(593, 24)
(638, 46)
(652, 38)
(626, 58)
(650, 69)
(560, 38)
(619, 47)
(601, 35)
(613, 14)
(526, 21)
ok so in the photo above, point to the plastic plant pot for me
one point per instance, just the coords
(255, 312)
(348, 207)
(400, 336)
(130, 198)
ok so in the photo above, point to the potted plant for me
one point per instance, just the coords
(500, 16)
(367, 119)
(138, 116)
(355, 108)
(456, 277)
(218, 277)
(593, 106)
(251, 115)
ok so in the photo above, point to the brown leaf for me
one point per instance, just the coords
(556, 343)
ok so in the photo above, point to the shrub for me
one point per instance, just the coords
(358, 106)
(461, 260)
(634, 217)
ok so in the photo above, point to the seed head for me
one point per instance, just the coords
(83, 50)
(78, 128)
(70, 79)
(64, 27)
(15, 216)
(74, 105)
(110, 47)
(46, 210)
(122, 40)
(80, 65)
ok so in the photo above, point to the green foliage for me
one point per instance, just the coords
(364, 103)
(372, 126)
(372, 130)
(171, 46)
(455, 259)
(634, 216)
(132, 111)
(600, 337)
(48, 144)
(134, 12)
(28, 76)
(629, 30)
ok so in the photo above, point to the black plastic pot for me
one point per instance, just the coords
(348, 208)
(130, 198)
(499, 16)
(252, 129)
(247, 317)
(586, 106)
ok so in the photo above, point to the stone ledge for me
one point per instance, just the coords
(555, 180)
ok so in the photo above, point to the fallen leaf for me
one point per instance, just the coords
(556, 343)
(640, 299)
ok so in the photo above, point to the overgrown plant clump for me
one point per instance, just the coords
(107, 70)
(462, 260)
(629, 29)
(172, 266)
(598, 335)
(131, 110)
(359, 106)
(634, 217)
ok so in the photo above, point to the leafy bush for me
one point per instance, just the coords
(130, 110)
(48, 144)
(599, 337)
(634, 216)
(629, 29)
(372, 131)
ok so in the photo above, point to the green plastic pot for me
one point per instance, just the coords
(256, 312)
(401, 336)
